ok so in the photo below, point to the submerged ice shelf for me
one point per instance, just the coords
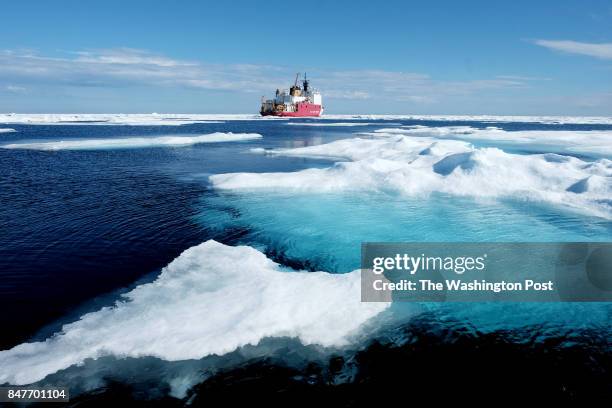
(337, 223)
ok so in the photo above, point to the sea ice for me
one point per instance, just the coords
(212, 299)
(133, 142)
(417, 166)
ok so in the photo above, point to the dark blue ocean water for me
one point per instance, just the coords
(76, 226)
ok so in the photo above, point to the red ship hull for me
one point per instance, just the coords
(304, 109)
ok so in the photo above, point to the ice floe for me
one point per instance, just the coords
(598, 142)
(561, 120)
(330, 124)
(212, 299)
(417, 166)
(133, 142)
(151, 119)
(154, 119)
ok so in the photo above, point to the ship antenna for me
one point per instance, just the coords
(297, 76)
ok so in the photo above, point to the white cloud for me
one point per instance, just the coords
(404, 86)
(419, 99)
(15, 89)
(342, 94)
(522, 78)
(603, 99)
(601, 50)
(128, 56)
(124, 67)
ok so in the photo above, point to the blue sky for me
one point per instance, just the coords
(434, 57)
